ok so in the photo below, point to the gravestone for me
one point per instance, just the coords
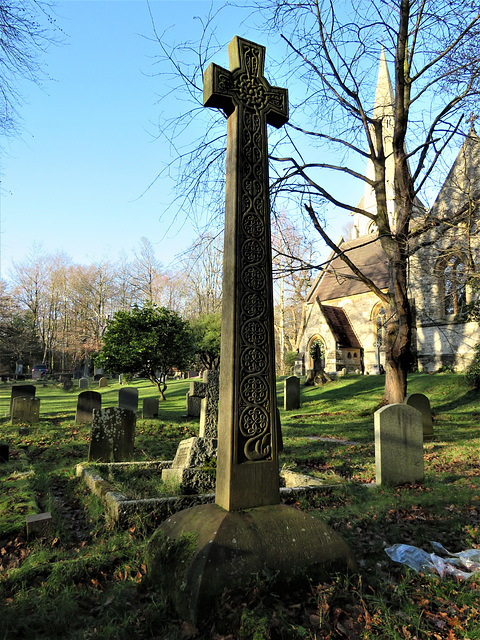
(22, 391)
(39, 525)
(87, 401)
(83, 383)
(128, 398)
(209, 406)
(291, 398)
(103, 382)
(193, 405)
(25, 410)
(4, 452)
(299, 367)
(420, 402)
(398, 445)
(186, 471)
(113, 435)
(67, 384)
(246, 530)
(150, 408)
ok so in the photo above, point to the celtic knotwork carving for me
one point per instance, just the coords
(259, 448)
(253, 305)
(254, 360)
(251, 91)
(254, 278)
(254, 390)
(253, 251)
(252, 224)
(253, 421)
(253, 332)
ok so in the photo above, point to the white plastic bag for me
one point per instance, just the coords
(462, 565)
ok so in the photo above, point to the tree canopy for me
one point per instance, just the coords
(207, 336)
(148, 340)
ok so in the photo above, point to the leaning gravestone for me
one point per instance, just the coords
(113, 435)
(150, 408)
(291, 398)
(398, 445)
(25, 410)
(22, 391)
(422, 403)
(83, 383)
(209, 407)
(186, 472)
(103, 382)
(128, 399)
(87, 401)
(265, 534)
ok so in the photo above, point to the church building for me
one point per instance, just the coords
(346, 322)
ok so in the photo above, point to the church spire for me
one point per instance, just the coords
(383, 108)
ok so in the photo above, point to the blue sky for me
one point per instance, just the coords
(73, 180)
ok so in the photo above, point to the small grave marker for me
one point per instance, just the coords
(83, 383)
(39, 525)
(103, 382)
(22, 391)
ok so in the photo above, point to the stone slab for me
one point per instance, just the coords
(291, 390)
(150, 408)
(420, 402)
(398, 445)
(194, 452)
(113, 435)
(87, 401)
(25, 410)
(39, 525)
(128, 399)
(22, 391)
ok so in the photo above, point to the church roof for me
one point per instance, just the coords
(463, 180)
(339, 281)
(340, 326)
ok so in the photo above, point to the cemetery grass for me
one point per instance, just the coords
(89, 578)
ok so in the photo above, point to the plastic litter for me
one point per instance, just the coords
(463, 565)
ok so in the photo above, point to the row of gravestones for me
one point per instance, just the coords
(89, 401)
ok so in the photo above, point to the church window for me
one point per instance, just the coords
(454, 286)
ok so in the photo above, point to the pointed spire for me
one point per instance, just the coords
(384, 96)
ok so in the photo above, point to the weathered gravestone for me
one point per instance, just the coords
(25, 410)
(87, 401)
(186, 473)
(246, 530)
(103, 382)
(299, 366)
(398, 445)
(22, 391)
(209, 407)
(422, 403)
(128, 399)
(113, 435)
(83, 383)
(193, 405)
(291, 390)
(150, 408)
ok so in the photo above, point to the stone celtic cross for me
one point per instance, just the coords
(248, 432)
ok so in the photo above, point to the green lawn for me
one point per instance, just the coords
(88, 580)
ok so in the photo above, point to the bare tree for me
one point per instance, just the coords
(27, 29)
(332, 49)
